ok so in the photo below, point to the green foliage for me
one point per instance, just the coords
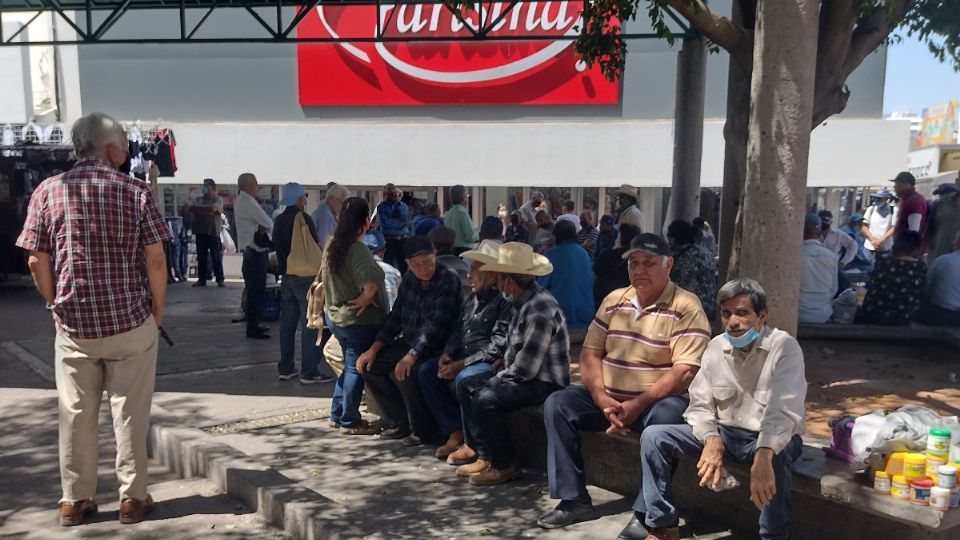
(936, 23)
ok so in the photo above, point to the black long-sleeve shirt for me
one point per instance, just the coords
(283, 234)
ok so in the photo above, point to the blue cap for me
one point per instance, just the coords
(374, 240)
(291, 192)
(811, 221)
(857, 216)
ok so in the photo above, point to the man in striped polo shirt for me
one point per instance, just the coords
(641, 352)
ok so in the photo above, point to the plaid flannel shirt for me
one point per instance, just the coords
(538, 345)
(426, 316)
(95, 222)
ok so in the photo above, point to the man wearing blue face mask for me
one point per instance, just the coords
(746, 406)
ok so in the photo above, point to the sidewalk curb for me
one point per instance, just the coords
(283, 503)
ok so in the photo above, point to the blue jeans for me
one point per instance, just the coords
(568, 412)
(293, 315)
(662, 446)
(439, 393)
(354, 339)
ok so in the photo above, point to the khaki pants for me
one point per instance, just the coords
(333, 354)
(125, 366)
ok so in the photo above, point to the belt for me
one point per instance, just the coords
(395, 237)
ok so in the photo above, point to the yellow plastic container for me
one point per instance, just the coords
(899, 487)
(914, 466)
(894, 464)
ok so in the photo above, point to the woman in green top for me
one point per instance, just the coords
(355, 306)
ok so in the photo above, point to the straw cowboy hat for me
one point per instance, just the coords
(486, 252)
(627, 189)
(519, 258)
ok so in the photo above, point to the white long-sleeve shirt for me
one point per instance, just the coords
(818, 283)
(836, 241)
(249, 215)
(762, 391)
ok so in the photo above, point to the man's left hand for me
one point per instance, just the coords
(448, 370)
(763, 483)
(622, 417)
(404, 367)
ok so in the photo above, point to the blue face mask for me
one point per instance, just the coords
(746, 339)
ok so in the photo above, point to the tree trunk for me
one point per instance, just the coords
(688, 132)
(781, 98)
(735, 133)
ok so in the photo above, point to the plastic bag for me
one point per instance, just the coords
(845, 307)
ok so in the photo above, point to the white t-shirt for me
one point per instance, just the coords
(879, 225)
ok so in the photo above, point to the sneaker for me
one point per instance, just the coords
(463, 456)
(493, 476)
(318, 378)
(133, 510)
(73, 513)
(567, 513)
(286, 376)
(477, 467)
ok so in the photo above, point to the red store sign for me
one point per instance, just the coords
(530, 72)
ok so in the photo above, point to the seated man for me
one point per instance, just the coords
(536, 364)
(746, 405)
(427, 305)
(818, 275)
(940, 305)
(478, 341)
(640, 353)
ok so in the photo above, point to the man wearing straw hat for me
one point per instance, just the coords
(627, 210)
(479, 340)
(536, 364)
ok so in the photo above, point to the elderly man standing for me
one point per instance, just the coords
(746, 406)
(536, 364)
(425, 312)
(394, 217)
(528, 212)
(628, 197)
(325, 216)
(458, 219)
(479, 340)
(251, 218)
(818, 276)
(206, 229)
(95, 238)
(641, 351)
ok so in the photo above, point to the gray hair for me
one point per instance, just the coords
(457, 194)
(522, 280)
(739, 287)
(93, 132)
(338, 191)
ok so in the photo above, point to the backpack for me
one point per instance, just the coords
(316, 298)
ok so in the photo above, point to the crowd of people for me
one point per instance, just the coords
(445, 332)
(904, 246)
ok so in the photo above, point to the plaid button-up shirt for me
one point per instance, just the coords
(95, 221)
(426, 316)
(538, 345)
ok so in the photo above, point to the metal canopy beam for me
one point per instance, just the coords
(80, 15)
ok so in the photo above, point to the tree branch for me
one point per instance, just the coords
(873, 30)
(718, 29)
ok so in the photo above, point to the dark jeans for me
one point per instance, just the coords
(255, 279)
(402, 401)
(439, 393)
(572, 410)
(662, 446)
(209, 245)
(293, 315)
(935, 315)
(176, 228)
(488, 402)
(354, 340)
(393, 254)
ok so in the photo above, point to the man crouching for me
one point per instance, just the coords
(746, 405)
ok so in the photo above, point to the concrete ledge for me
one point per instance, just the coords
(285, 504)
(917, 332)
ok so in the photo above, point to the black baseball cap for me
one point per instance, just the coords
(906, 178)
(649, 243)
(417, 245)
(944, 189)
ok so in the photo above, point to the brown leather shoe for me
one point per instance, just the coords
(664, 533)
(133, 510)
(73, 513)
(454, 441)
(491, 476)
(477, 467)
(463, 456)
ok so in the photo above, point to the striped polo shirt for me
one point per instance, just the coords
(639, 344)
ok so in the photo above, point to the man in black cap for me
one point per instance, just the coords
(606, 238)
(912, 211)
(426, 311)
(639, 355)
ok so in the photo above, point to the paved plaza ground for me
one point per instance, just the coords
(217, 381)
